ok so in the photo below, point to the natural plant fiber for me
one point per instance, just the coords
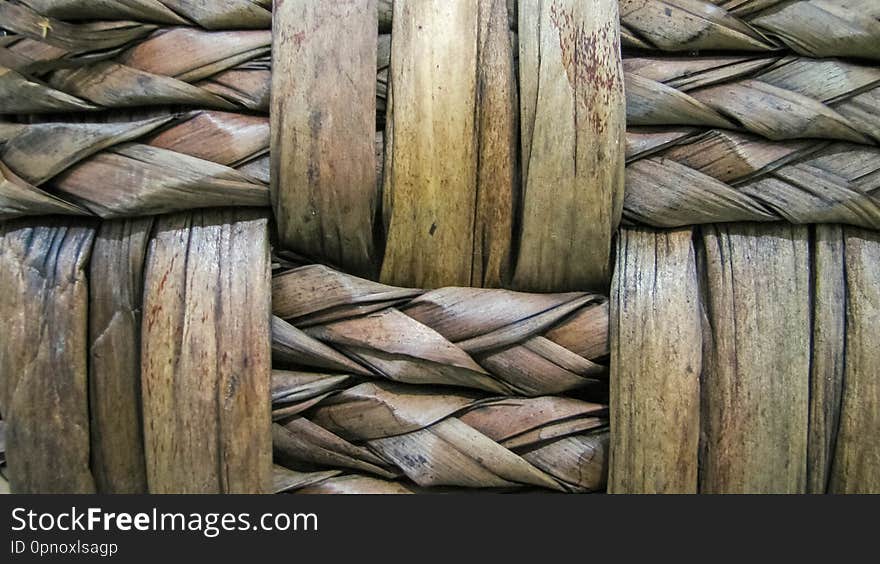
(450, 153)
(498, 341)
(323, 131)
(656, 359)
(775, 97)
(115, 305)
(428, 147)
(52, 66)
(679, 177)
(771, 298)
(206, 354)
(210, 14)
(171, 400)
(815, 28)
(446, 438)
(162, 164)
(572, 109)
(377, 404)
(43, 354)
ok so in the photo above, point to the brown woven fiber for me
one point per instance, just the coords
(573, 246)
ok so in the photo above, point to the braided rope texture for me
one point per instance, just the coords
(674, 176)
(455, 387)
(814, 28)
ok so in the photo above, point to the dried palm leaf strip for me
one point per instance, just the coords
(498, 341)
(225, 70)
(205, 358)
(449, 176)
(285, 479)
(756, 359)
(115, 305)
(775, 97)
(152, 166)
(210, 14)
(572, 111)
(814, 28)
(679, 177)
(44, 354)
(656, 361)
(675, 176)
(856, 465)
(359, 484)
(323, 110)
(437, 437)
(828, 362)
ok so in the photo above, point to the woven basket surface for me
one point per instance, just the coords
(502, 245)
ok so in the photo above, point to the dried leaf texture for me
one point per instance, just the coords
(774, 97)
(55, 66)
(680, 177)
(323, 133)
(756, 360)
(499, 341)
(133, 168)
(787, 393)
(856, 465)
(43, 354)
(384, 430)
(210, 14)
(450, 169)
(115, 305)
(412, 391)
(829, 353)
(206, 356)
(656, 361)
(815, 28)
(572, 111)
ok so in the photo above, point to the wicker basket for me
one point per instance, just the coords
(575, 246)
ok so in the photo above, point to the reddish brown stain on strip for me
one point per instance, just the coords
(586, 56)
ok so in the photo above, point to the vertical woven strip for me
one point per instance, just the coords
(655, 362)
(323, 112)
(43, 354)
(206, 354)
(856, 465)
(572, 112)
(828, 354)
(115, 305)
(756, 359)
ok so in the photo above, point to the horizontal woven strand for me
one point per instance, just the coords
(210, 14)
(815, 28)
(145, 167)
(678, 177)
(437, 437)
(224, 70)
(674, 177)
(236, 74)
(498, 341)
(818, 28)
(777, 98)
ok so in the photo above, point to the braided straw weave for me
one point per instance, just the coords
(815, 28)
(53, 66)
(674, 176)
(360, 370)
(735, 353)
